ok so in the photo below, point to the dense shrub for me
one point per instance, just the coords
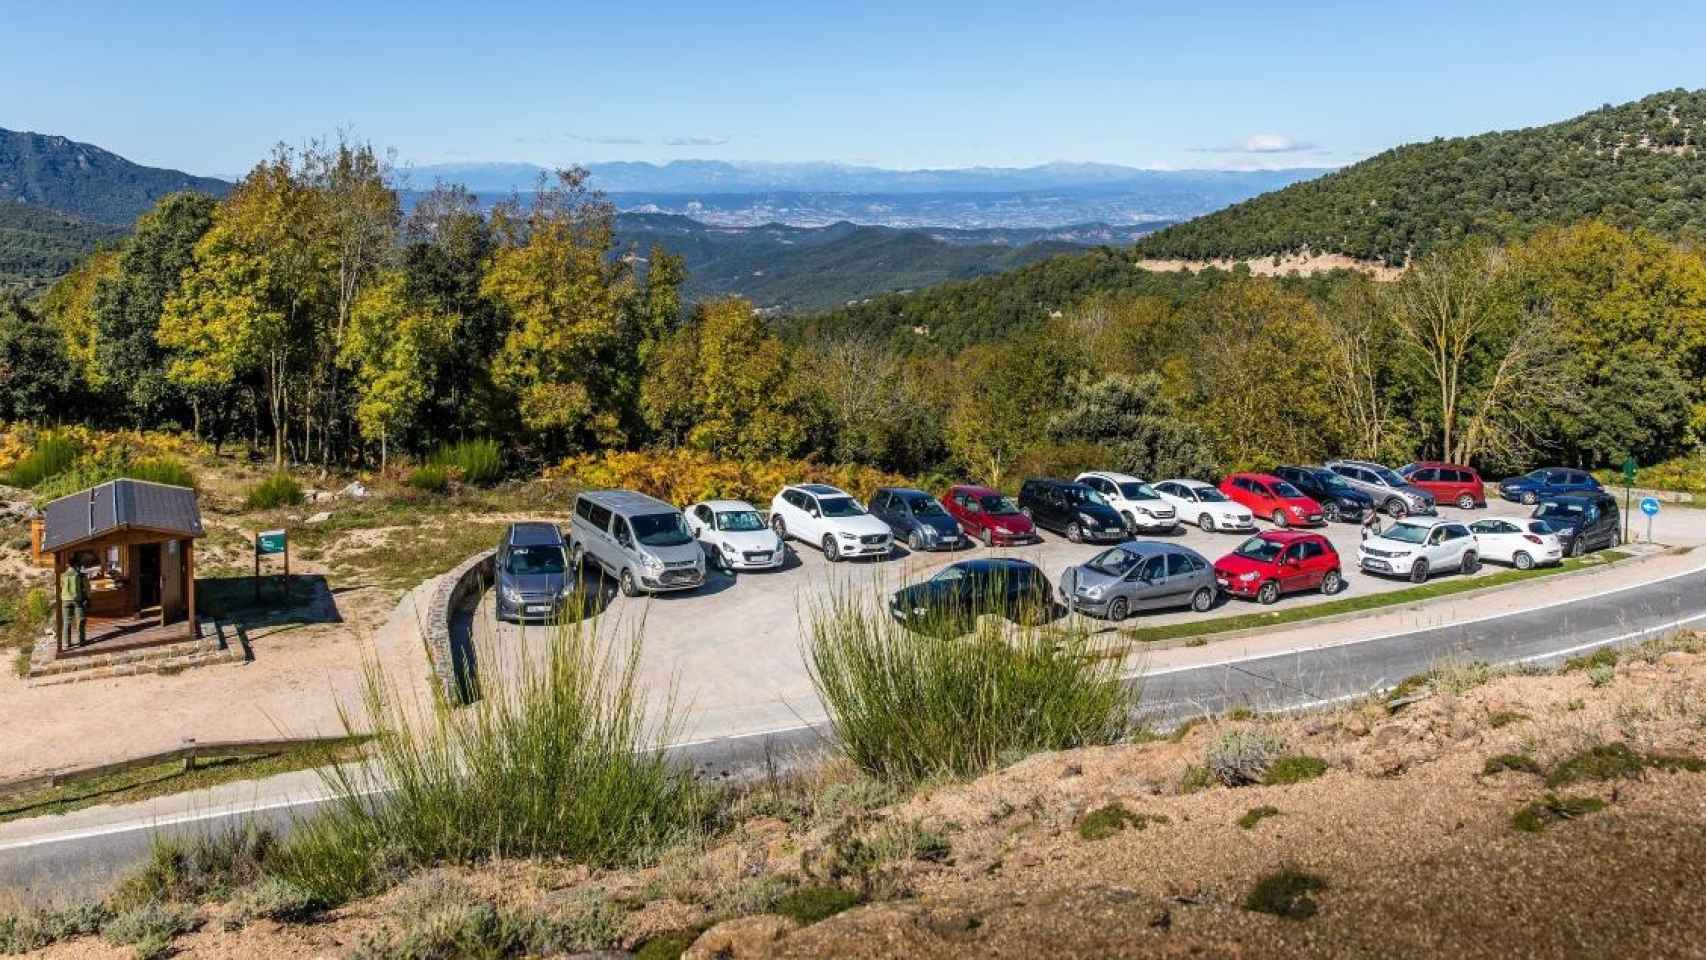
(1242, 755)
(278, 490)
(1286, 893)
(165, 470)
(431, 478)
(478, 462)
(558, 757)
(685, 476)
(904, 707)
(52, 455)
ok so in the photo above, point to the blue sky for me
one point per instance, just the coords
(209, 87)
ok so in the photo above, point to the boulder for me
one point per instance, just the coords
(740, 938)
(355, 491)
(320, 517)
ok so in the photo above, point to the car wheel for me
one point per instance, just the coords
(1522, 561)
(629, 587)
(1466, 502)
(1205, 523)
(1074, 534)
(1419, 572)
(1332, 583)
(915, 540)
(1530, 498)
(1269, 593)
(1279, 518)
(1578, 549)
(1129, 521)
(1471, 562)
(1118, 609)
(831, 552)
(1396, 510)
(780, 527)
(1330, 512)
(1203, 600)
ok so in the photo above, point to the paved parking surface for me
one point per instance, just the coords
(732, 646)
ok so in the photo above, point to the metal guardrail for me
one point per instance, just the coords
(189, 753)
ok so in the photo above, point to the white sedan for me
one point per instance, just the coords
(1521, 543)
(1204, 505)
(734, 535)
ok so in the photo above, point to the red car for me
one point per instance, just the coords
(989, 516)
(1448, 482)
(1273, 499)
(1274, 562)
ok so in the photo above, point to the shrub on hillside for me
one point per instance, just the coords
(478, 462)
(278, 490)
(559, 757)
(685, 476)
(1242, 755)
(431, 478)
(52, 455)
(905, 708)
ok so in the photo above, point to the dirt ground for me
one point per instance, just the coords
(1409, 836)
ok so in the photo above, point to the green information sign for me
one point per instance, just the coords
(1629, 470)
(269, 542)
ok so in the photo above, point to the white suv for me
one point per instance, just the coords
(1140, 507)
(829, 519)
(1204, 505)
(1419, 546)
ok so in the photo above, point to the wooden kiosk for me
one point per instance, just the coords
(136, 543)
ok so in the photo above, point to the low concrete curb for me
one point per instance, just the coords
(454, 590)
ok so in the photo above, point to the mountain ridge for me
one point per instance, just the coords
(86, 181)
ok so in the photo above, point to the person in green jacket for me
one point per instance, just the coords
(74, 604)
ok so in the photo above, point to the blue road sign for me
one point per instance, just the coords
(1649, 505)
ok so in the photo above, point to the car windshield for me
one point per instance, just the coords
(1332, 481)
(1083, 495)
(1565, 512)
(1115, 562)
(739, 521)
(997, 505)
(839, 507)
(1537, 526)
(1210, 495)
(533, 560)
(1257, 548)
(1407, 532)
(1138, 491)
(925, 507)
(1387, 476)
(1535, 475)
(1284, 489)
(661, 530)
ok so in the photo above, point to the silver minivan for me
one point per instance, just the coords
(641, 541)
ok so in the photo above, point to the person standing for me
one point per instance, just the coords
(1371, 523)
(74, 604)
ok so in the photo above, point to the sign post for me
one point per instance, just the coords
(1628, 481)
(272, 543)
(1650, 507)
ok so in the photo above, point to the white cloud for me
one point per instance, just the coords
(1262, 143)
(694, 141)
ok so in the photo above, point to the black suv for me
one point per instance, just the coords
(1339, 500)
(1582, 522)
(917, 519)
(1071, 509)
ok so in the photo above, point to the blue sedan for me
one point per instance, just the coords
(1537, 485)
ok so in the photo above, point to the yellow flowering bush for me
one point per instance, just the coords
(684, 476)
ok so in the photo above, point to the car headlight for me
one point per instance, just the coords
(727, 548)
(1400, 554)
(998, 528)
(1094, 593)
(1297, 510)
(510, 594)
(919, 611)
(568, 590)
(1248, 577)
(1086, 519)
(650, 562)
(846, 536)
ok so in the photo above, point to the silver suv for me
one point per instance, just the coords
(641, 541)
(1391, 492)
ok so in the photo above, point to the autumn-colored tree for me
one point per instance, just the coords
(69, 308)
(394, 346)
(748, 405)
(1007, 389)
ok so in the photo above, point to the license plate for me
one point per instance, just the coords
(1315, 518)
(538, 608)
(1377, 565)
(759, 557)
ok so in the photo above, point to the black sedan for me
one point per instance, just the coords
(951, 601)
(1339, 500)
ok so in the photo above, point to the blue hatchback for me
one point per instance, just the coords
(532, 572)
(1536, 485)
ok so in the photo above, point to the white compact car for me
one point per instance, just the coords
(1419, 546)
(734, 535)
(1139, 505)
(1522, 543)
(1204, 505)
(828, 518)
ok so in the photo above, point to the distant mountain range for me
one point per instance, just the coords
(793, 269)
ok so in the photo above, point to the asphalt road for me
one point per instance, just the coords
(44, 866)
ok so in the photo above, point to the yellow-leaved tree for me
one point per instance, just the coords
(393, 345)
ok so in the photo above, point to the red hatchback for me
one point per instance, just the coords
(1448, 482)
(989, 516)
(1274, 562)
(1273, 499)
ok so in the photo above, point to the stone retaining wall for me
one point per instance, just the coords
(456, 589)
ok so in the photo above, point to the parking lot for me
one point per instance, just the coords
(733, 644)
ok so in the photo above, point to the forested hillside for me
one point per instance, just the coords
(1636, 165)
(37, 245)
(85, 181)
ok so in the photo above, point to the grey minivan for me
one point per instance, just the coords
(531, 573)
(1139, 575)
(641, 541)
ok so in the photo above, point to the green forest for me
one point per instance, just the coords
(306, 316)
(1635, 165)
